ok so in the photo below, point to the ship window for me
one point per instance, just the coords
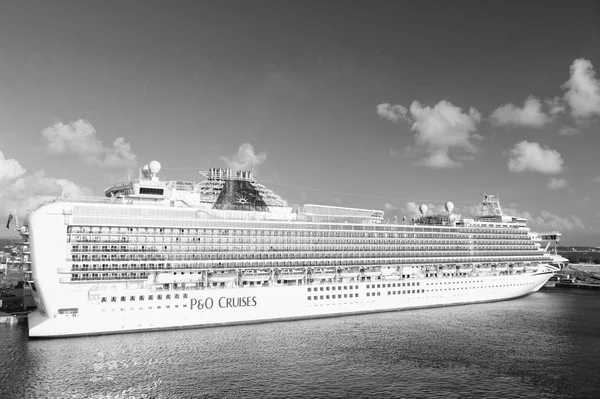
(150, 297)
(141, 297)
(378, 294)
(351, 295)
(321, 296)
(168, 296)
(367, 294)
(113, 299)
(122, 299)
(308, 298)
(103, 299)
(159, 297)
(367, 286)
(132, 298)
(309, 289)
(151, 191)
(346, 295)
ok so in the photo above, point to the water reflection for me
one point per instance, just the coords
(543, 345)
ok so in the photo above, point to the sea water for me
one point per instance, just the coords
(545, 345)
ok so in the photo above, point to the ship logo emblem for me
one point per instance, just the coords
(242, 200)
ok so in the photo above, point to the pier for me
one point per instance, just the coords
(581, 285)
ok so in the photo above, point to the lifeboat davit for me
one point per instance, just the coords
(222, 276)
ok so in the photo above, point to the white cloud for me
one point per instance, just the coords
(389, 207)
(393, 113)
(443, 133)
(22, 191)
(10, 169)
(547, 221)
(30, 190)
(583, 90)
(80, 138)
(557, 184)
(245, 158)
(442, 129)
(530, 115)
(556, 105)
(526, 156)
(568, 131)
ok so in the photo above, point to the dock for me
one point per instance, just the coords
(14, 317)
(580, 285)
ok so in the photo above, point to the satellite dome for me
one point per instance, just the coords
(154, 167)
(449, 206)
(423, 209)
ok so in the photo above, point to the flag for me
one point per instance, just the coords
(10, 217)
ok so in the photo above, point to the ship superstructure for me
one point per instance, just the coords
(159, 254)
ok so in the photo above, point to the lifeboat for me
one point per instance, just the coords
(465, 269)
(351, 272)
(532, 267)
(291, 274)
(484, 268)
(518, 267)
(447, 269)
(501, 267)
(388, 271)
(323, 273)
(222, 276)
(372, 271)
(256, 275)
(169, 278)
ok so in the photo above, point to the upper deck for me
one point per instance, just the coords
(225, 195)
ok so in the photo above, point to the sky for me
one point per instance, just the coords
(372, 104)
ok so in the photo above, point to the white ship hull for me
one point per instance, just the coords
(223, 306)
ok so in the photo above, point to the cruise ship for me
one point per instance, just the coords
(154, 254)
